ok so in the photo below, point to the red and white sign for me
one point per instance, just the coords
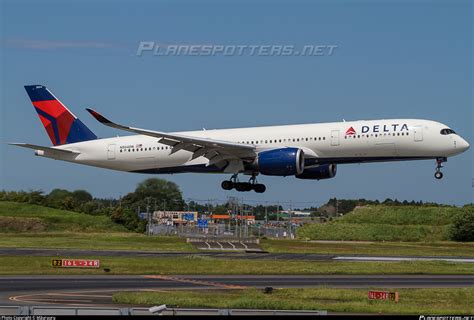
(383, 295)
(79, 263)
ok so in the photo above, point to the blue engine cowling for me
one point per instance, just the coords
(281, 162)
(325, 171)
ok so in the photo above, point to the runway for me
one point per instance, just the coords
(226, 255)
(98, 290)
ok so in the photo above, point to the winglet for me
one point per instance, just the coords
(99, 117)
(106, 121)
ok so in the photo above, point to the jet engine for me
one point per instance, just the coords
(281, 162)
(325, 171)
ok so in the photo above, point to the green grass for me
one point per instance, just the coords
(30, 226)
(444, 248)
(412, 301)
(96, 241)
(386, 223)
(52, 220)
(206, 265)
(402, 215)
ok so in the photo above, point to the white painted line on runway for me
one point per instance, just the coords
(402, 259)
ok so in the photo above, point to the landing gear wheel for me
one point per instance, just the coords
(248, 186)
(439, 164)
(259, 188)
(227, 185)
(242, 186)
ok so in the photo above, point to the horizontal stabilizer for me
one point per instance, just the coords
(42, 148)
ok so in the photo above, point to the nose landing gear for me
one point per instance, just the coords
(243, 186)
(439, 164)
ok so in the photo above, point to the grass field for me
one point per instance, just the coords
(207, 265)
(97, 241)
(21, 217)
(441, 248)
(412, 301)
(386, 223)
(31, 226)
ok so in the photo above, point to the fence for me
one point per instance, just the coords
(84, 311)
(225, 230)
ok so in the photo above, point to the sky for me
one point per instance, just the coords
(392, 59)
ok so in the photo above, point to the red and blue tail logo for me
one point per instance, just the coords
(62, 125)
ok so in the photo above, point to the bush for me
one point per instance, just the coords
(463, 225)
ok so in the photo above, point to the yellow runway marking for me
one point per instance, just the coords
(76, 295)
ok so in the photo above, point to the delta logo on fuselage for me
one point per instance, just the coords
(395, 127)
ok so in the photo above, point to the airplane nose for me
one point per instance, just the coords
(462, 144)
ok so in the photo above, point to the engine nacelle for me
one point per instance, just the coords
(325, 171)
(281, 162)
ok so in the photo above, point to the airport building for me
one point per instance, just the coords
(175, 217)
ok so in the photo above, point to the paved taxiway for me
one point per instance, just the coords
(226, 255)
(98, 290)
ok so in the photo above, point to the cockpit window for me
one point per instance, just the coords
(447, 131)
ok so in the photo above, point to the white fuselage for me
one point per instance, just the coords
(337, 142)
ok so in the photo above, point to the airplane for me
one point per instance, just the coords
(305, 151)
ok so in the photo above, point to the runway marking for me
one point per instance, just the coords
(76, 295)
(60, 301)
(402, 259)
(21, 299)
(201, 282)
(39, 297)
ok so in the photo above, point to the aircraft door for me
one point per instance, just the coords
(111, 151)
(418, 133)
(334, 137)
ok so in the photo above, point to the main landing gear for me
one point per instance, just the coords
(243, 186)
(439, 164)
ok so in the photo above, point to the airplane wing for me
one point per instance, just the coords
(42, 148)
(214, 150)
